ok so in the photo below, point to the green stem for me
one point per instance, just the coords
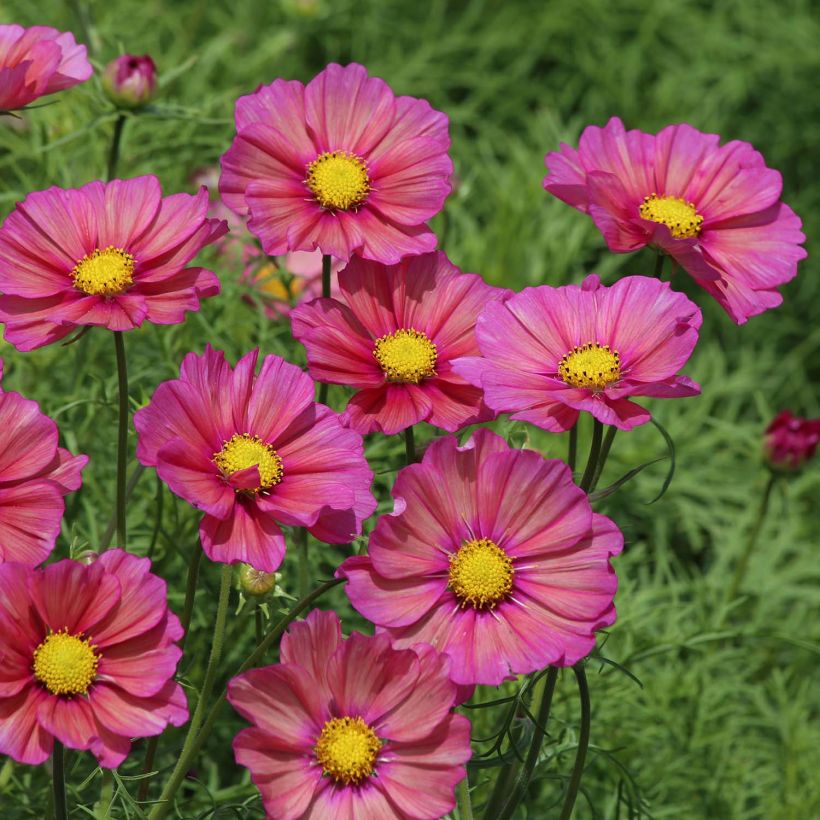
(129, 491)
(58, 781)
(192, 746)
(465, 806)
(658, 272)
(327, 260)
(409, 445)
(103, 808)
(743, 563)
(304, 562)
(158, 503)
(572, 451)
(520, 789)
(260, 626)
(594, 453)
(602, 457)
(583, 743)
(114, 152)
(188, 746)
(190, 591)
(122, 436)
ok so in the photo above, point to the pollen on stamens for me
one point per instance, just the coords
(106, 272)
(243, 450)
(65, 664)
(338, 180)
(680, 216)
(347, 749)
(592, 366)
(406, 356)
(481, 574)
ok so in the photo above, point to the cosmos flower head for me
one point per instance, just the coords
(790, 441)
(342, 165)
(715, 209)
(351, 728)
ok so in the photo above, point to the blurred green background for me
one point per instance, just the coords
(718, 716)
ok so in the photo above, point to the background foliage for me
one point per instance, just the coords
(724, 721)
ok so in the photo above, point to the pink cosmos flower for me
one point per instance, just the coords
(715, 209)
(35, 474)
(351, 729)
(251, 451)
(109, 254)
(88, 658)
(37, 61)
(551, 352)
(791, 441)
(493, 556)
(393, 334)
(340, 164)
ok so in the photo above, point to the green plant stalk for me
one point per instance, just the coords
(572, 449)
(583, 743)
(114, 151)
(602, 456)
(191, 749)
(103, 808)
(658, 272)
(183, 762)
(304, 561)
(122, 436)
(129, 491)
(58, 781)
(327, 261)
(409, 445)
(594, 453)
(465, 806)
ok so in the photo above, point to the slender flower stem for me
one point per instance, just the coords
(193, 744)
(129, 491)
(183, 761)
(304, 562)
(327, 260)
(572, 451)
(583, 743)
(594, 454)
(114, 152)
(103, 808)
(658, 272)
(465, 806)
(602, 457)
(260, 626)
(58, 781)
(410, 445)
(122, 436)
(743, 563)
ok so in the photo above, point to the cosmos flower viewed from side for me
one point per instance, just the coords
(88, 658)
(37, 61)
(109, 254)
(715, 209)
(493, 556)
(131, 80)
(251, 450)
(549, 353)
(392, 334)
(791, 441)
(342, 165)
(350, 729)
(35, 474)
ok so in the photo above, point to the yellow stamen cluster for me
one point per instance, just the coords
(338, 180)
(680, 216)
(66, 664)
(591, 365)
(406, 356)
(104, 272)
(244, 450)
(347, 749)
(481, 574)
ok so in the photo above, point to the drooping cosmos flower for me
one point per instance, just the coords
(791, 441)
(715, 209)
(35, 474)
(37, 61)
(493, 556)
(108, 254)
(88, 658)
(549, 353)
(341, 165)
(130, 81)
(392, 334)
(351, 729)
(251, 451)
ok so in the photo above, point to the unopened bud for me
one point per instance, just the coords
(130, 81)
(256, 583)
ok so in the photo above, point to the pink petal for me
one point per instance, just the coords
(249, 535)
(21, 736)
(30, 516)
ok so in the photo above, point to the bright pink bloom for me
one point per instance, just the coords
(791, 441)
(35, 474)
(392, 335)
(109, 254)
(351, 729)
(88, 658)
(130, 81)
(715, 209)
(341, 165)
(551, 352)
(251, 451)
(493, 556)
(37, 61)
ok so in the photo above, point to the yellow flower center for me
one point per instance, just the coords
(677, 214)
(590, 365)
(406, 356)
(347, 749)
(338, 180)
(481, 573)
(243, 451)
(104, 273)
(66, 664)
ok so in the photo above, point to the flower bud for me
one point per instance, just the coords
(255, 583)
(790, 441)
(130, 81)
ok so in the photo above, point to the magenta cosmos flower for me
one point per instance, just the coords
(35, 474)
(549, 353)
(493, 556)
(88, 658)
(109, 254)
(351, 729)
(715, 209)
(392, 334)
(791, 441)
(37, 61)
(130, 81)
(251, 451)
(341, 165)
